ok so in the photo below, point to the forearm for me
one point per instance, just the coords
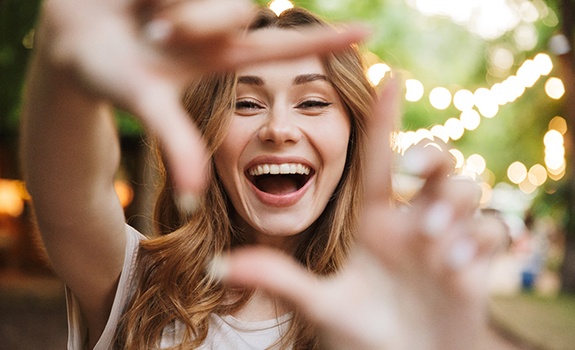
(69, 144)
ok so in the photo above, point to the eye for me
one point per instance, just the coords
(248, 107)
(313, 104)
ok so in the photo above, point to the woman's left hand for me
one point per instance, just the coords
(416, 279)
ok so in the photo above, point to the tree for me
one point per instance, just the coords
(433, 49)
(567, 8)
(16, 35)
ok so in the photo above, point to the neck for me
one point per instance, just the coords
(261, 307)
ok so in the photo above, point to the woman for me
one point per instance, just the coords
(304, 119)
(306, 116)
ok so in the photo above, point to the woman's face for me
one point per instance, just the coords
(285, 150)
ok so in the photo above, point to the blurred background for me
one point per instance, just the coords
(489, 81)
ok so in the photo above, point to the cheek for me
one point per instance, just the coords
(232, 145)
(226, 158)
(334, 142)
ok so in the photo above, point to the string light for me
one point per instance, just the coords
(413, 90)
(554, 88)
(463, 100)
(377, 72)
(517, 172)
(485, 102)
(279, 6)
(440, 98)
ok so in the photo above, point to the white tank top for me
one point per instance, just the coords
(225, 332)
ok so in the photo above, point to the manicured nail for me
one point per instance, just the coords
(158, 30)
(187, 203)
(461, 253)
(218, 268)
(437, 219)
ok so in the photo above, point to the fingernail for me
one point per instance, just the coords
(413, 162)
(461, 253)
(218, 268)
(158, 30)
(437, 219)
(187, 203)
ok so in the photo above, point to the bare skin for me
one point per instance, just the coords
(138, 55)
(415, 279)
(91, 55)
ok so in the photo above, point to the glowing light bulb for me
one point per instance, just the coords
(552, 139)
(544, 63)
(440, 98)
(537, 175)
(377, 72)
(279, 6)
(414, 90)
(476, 163)
(558, 123)
(554, 88)
(470, 119)
(463, 100)
(517, 172)
(454, 128)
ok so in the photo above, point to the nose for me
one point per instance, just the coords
(280, 127)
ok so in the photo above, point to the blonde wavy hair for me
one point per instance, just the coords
(172, 283)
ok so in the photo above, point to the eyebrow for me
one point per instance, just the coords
(308, 78)
(250, 80)
(300, 79)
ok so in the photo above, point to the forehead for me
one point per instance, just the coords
(286, 69)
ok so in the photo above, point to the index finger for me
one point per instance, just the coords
(274, 43)
(379, 152)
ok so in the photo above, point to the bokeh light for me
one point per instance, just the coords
(517, 172)
(463, 100)
(377, 72)
(454, 128)
(470, 119)
(537, 174)
(440, 98)
(413, 90)
(459, 158)
(554, 88)
(558, 123)
(476, 163)
(279, 6)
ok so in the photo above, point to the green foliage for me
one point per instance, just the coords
(16, 22)
(433, 50)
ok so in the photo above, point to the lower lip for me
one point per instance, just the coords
(281, 201)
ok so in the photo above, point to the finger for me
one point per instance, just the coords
(272, 271)
(190, 22)
(160, 109)
(271, 44)
(491, 234)
(379, 152)
(426, 161)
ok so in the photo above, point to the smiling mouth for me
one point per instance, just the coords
(279, 179)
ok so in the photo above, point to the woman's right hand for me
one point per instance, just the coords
(139, 55)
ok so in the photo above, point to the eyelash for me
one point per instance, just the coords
(248, 105)
(305, 104)
(308, 104)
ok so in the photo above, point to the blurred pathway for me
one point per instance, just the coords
(32, 312)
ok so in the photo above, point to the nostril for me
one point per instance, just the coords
(279, 131)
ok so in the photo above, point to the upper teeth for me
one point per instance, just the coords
(274, 169)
